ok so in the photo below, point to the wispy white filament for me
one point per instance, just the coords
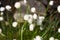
(51, 3)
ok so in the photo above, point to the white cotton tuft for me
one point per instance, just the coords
(2, 8)
(35, 16)
(51, 3)
(8, 7)
(31, 27)
(26, 17)
(33, 9)
(14, 24)
(59, 30)
(51, 38)
(38, 38)
(17, 5)
(58, 8)
(40, 20)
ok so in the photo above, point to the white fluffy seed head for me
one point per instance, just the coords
(2, 8)
(1, 18)
(51, 3)
(14, 24)
(40, 20)
(17, 5)
(38, 38)
(33, 9)
(26, 17)
(51, 38)
(35, 16)
(31, 27)
(59, 30)
(58, 8)
(0, 30)
(8, 7)
(41, 17)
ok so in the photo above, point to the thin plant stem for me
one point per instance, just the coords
(22, 30)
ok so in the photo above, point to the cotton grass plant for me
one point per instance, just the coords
(29, 25)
